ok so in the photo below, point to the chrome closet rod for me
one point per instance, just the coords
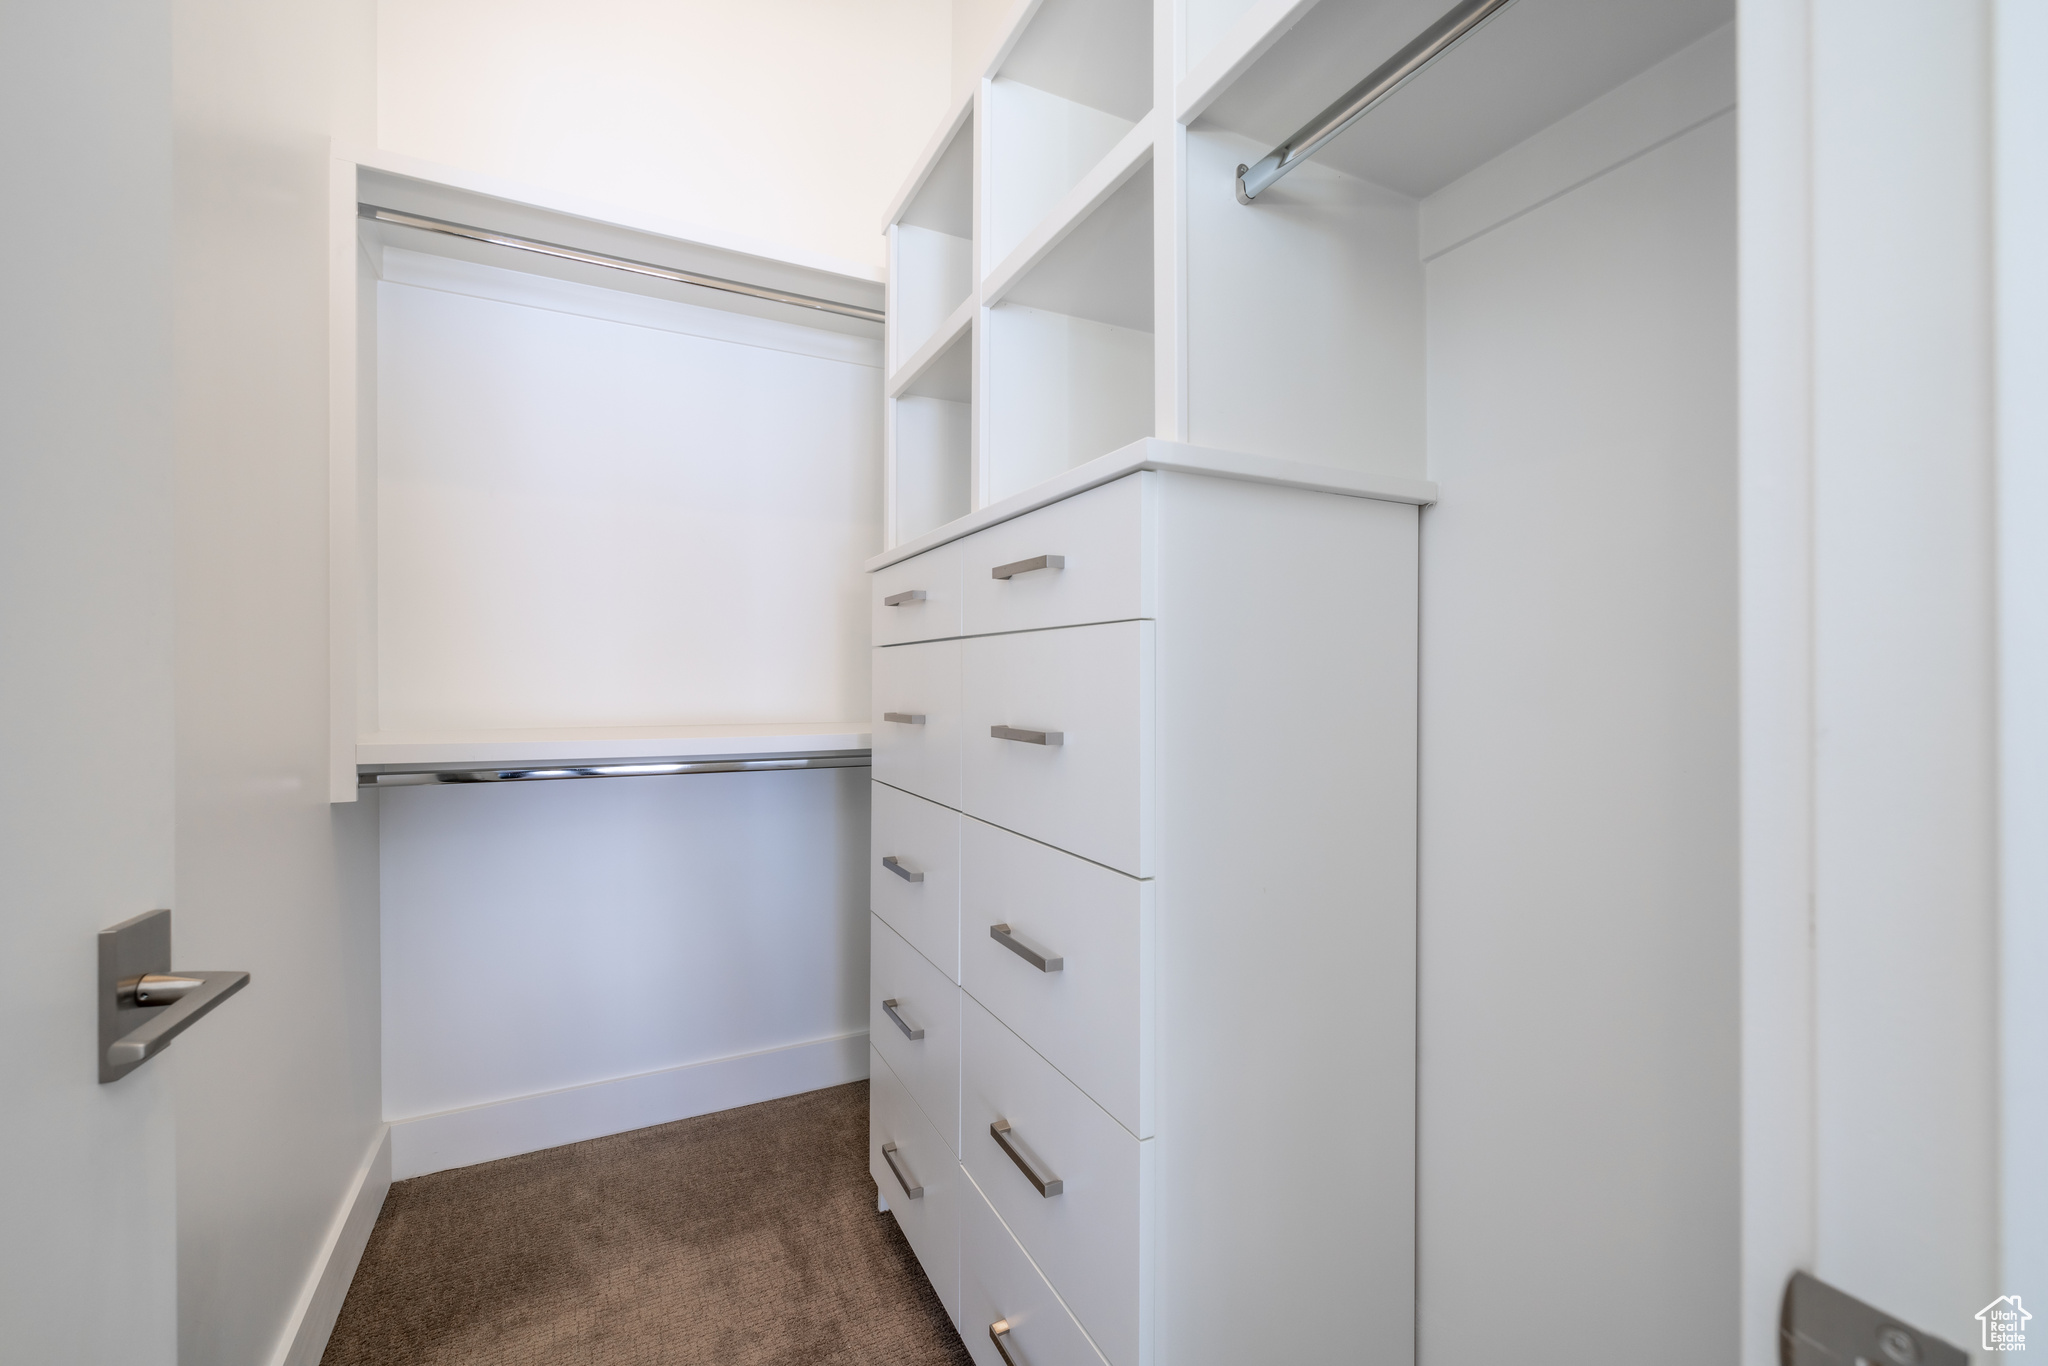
(593, 258)
(624, 768)
(1433, 42)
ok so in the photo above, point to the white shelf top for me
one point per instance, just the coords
(615, 744)
(1155, 454)
(579, 206)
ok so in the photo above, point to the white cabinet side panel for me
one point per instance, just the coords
(1285, 925)
(1579, 982)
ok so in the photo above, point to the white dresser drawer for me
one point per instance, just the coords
(1092, 1017)
(999, 1286)
(1102, 536)
(918, 599)
(1088, 690)
(1087, 1237)
(920, 752)
(919, 893)
(919, 1036)
(930, 1220)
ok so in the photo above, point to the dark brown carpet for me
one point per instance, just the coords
(742, 1238)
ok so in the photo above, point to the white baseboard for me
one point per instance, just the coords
(312, 1320)
(526, 1124)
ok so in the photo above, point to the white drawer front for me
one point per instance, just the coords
(1092, 685)
(921, 756)
(921, 902)
(1086, 1239)
(928, 1004)
(931, 1221)
(998, 1285)
(1092, 1019)
(936, 615)
(1103, 538)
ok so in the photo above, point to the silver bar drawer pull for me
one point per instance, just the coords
(904, 718)
(1029, 737)
(1001, 934)
(997, 1331)
(1013, 569)
(895, 865)
(898, 599)
(896, 1170)
(1048, 1186)
(910, 1031)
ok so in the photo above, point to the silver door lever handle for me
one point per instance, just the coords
(898, 599)
(143, 1004)
(895, 865)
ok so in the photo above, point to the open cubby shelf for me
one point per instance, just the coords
(1072, 271)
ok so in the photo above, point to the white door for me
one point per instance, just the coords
(87, 1239)
(1895, 655)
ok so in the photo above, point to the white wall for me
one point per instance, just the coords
(1579, 1174)
(278, 1093)
(977, 27)
(605, 509)
(87, 1205)
(794, 121)
(601, 509)
(541, 936)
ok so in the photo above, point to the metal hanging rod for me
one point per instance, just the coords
(1403, 67)
(654, 768)
(592, 258)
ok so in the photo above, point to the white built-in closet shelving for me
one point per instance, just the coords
(1070, 270)
(469, 727)
(1515, 275)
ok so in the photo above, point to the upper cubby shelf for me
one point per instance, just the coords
(1070, 348)
(931, 426)
(931, 248)
(1072, 85)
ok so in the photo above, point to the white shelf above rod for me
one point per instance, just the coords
(1404, 66)
(555, 249)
